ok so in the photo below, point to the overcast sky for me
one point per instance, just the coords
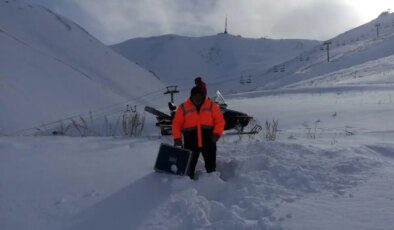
(113, 21)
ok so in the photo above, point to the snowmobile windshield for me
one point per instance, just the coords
(219, 99)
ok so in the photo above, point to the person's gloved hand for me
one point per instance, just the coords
(178, 142)
(215, 138)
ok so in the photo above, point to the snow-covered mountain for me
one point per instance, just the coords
(354, 47)
(228, 62)
(51, 68)
(221, 58)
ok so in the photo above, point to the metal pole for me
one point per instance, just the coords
(377, 25)
(328, 53)
(327, 44)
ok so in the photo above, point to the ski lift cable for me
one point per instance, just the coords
(105, 108)
(109, 110)
(52, 126)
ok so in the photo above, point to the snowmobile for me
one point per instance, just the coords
(234, 119)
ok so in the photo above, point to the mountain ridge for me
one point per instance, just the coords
(179, 59)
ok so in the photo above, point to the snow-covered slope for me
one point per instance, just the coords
(226, 60)
(221, 58)
(330, 168)
(376, 72)
(51, 68)
(354, 47)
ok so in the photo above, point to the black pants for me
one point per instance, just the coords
(209, 156)
(208, 150)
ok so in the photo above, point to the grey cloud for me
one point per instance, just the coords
(320, 20)
(113, 21)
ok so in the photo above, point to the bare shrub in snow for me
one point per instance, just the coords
(334, 139)
(311, 131)
(59, 130)
(132, 122)
(79, 127)
(271, 130)
(128, 123)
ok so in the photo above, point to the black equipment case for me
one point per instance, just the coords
(173, 160)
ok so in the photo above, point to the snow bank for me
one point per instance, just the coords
(260, 178)
(265, 176)
(107, 183)
(102, 183)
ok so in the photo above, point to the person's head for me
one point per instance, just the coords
(196, 96)
(197, 80)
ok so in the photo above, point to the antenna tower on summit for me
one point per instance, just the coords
(225, 26)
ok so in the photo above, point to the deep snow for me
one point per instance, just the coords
(330, 168)
(335, 181)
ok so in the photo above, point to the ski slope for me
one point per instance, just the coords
(50, 68)
(354, 47)
(371, 73)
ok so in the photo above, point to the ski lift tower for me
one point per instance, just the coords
(172, 90)
(377, 25)
(327, 44)
(242, 80)
(249, 79)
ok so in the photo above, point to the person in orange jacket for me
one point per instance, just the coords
(201, 123)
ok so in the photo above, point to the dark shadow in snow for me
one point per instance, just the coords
(227, 169)
(127, 208)
(385, 151)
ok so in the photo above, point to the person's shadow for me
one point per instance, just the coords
(126, 209)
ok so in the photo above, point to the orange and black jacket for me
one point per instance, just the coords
(195, 124)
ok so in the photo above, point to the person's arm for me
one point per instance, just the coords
(177, 124)
(218, 122)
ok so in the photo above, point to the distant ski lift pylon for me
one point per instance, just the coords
(242, 80)
(283, 68)
(249, 80)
